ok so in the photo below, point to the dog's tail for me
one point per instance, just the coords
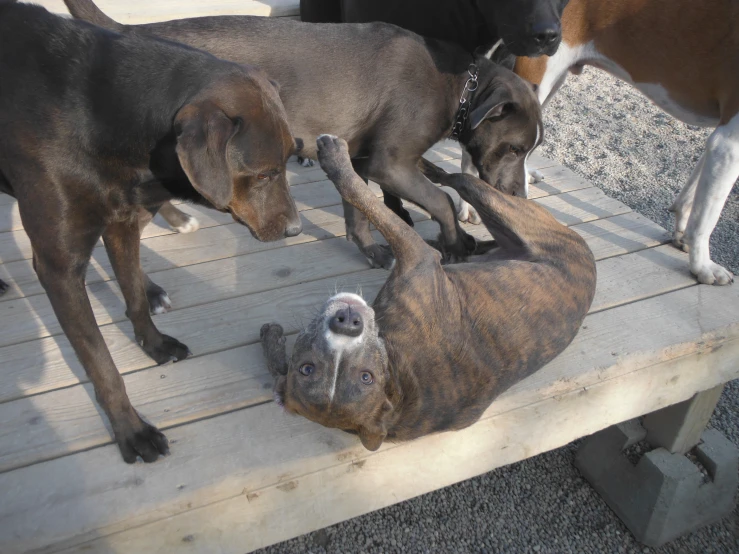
(86, 10)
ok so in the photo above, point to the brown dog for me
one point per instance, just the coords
(440, 342)
(684, 56)
(98, 130)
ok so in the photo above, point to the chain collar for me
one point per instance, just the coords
(464, 102)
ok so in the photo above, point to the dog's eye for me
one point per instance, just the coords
(262, 177)
(515, 149)
(367, 378)
(306, 369)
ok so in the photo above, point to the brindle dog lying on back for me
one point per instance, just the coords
(440, 342)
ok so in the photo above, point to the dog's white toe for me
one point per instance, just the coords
(190, 226)
(474, 217)
(535, 176)
(163, 306)
(713, 274)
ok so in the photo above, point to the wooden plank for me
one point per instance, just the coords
(19, 362)
(51, 363)
(673, 345)
(30, 318)
(139, 11)
(68, 421)
(232, 240)
(258, 518)
(606, 237)
(356, 487)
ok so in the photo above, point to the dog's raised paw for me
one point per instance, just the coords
(271, 331)
(333, 153)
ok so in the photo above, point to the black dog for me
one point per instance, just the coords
(98, 130)
(391, 93)
(527, 27)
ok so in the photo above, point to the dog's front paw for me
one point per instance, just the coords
(159, 302)
(466, 213)
(164, 349)
(272, 335)
(189, 224)
(379, 256)
(305, 162)
(535, 176)
(139, 439)
(713, 274)
(459, 251)
(333, 155)
(273, 339)
(678, 241)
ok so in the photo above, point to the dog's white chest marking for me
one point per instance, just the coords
(339, 344)
(587, 54)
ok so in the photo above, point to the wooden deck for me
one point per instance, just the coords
(242, 474)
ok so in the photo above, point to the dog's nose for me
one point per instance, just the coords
(545, 34)
(347, 322)
(294, 229)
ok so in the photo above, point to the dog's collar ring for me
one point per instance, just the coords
(463, 112)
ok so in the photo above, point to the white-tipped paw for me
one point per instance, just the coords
(535, 176)
(713, 274)
(190, 226)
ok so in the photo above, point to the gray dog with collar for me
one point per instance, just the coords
(390, 93)
(440, 343)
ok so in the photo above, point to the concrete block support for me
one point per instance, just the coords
(664, 495)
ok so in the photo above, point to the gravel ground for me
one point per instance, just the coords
(608, 133)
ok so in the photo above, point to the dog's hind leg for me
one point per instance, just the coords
(720, 172)
(465, 212)
(179, 220)
(407, 245)
(159, 302)
(395, 203)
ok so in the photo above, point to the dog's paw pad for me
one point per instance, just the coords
(189, 226)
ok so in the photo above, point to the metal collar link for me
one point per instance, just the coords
(464, 105)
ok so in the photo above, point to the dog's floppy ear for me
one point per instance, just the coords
(498, 105)
(203, 132)
(373, 434)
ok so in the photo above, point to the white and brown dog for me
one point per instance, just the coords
(684, 56)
